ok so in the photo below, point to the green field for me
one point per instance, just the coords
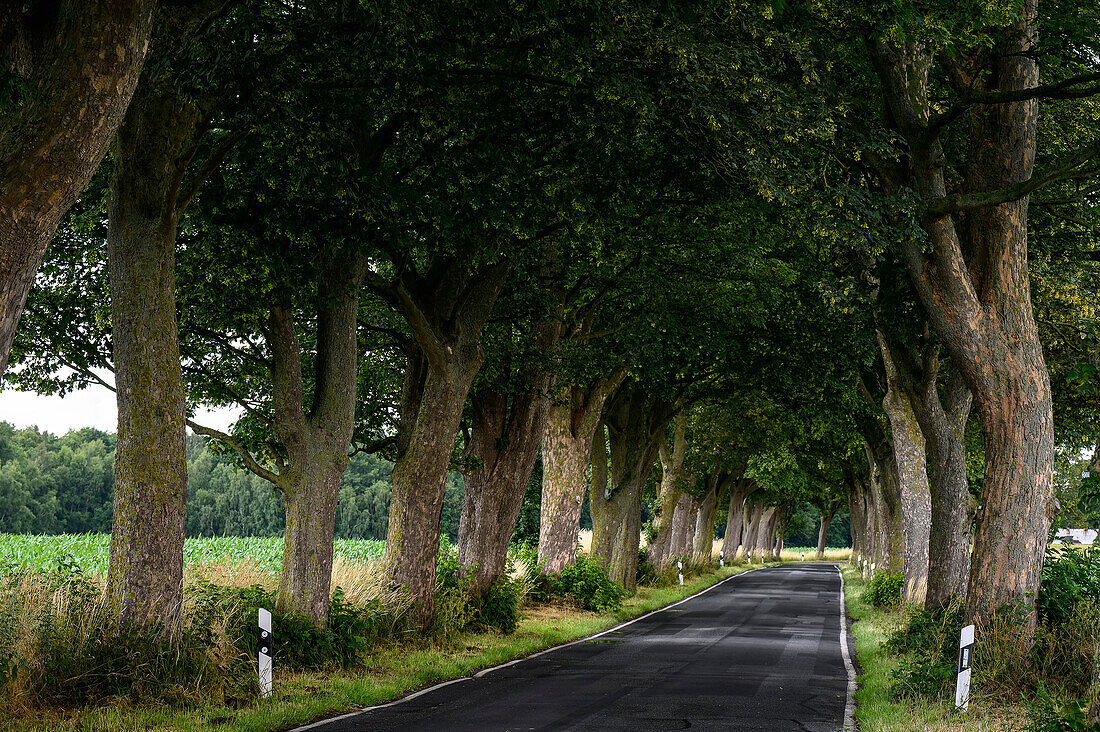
(89, 551)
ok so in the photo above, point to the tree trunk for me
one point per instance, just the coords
(752, 528)
(705, 517)
(80, 76)
(683, 527)
(944, 427)
(731, 544)
(566, 451)
(823, 531)
(505, 437)
(783, 516)
(889, 549)
(915, 498)
(636, 422)
(145, 573)
(672, 476)
(765, 534)
(975, 288)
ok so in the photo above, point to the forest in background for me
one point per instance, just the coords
(65, 485)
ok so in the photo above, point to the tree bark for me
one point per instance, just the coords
(765, 534)
(731, 543)
(915, 498)
(703, 545)
(823, 529)
(752, 528)
(636, 422)
(974, 286)
(446, 310)
(80, 74)
(672, 477)
(566, 452)
(506, 432)
(683, 526)
(145, 573)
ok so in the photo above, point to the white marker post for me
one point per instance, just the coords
(803, 556)
(872, 571)
(680, 568)
(864, 568)
(721, 561)
(263, 658)
(966, 655)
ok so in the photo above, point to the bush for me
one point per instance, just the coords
(500, 605)
(1070, 576)
(932, 639)
(588, 584)
(884, 590)
(1048, 714)
(647, 573)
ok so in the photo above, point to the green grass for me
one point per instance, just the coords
(388, 671)
(90, 551)
(877, 710)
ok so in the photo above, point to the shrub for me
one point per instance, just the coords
(588, 584)
(500, 605)
(931, 637)
(1048, 714)
(884, 590)
(647, 573)
(1070, 576)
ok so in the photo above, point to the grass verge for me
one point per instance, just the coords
(388, 671)
(876, 708)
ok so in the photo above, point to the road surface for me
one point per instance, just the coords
(759, 651)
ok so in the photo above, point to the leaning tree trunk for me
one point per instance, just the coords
(672, 476)
(566, 451)
(973, 282)
(915, 499)
(145, 573)
(823, 530)
(731, 543)
(783, 517)
(79, 72)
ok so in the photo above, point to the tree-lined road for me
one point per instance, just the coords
(760, 651)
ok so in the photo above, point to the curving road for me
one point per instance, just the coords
(759, 651)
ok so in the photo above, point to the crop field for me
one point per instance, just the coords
(89, 551)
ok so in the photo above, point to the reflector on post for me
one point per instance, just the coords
(263, 657)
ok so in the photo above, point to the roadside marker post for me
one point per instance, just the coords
(803, 556)
(966, 656)
(263, 657)
(721, 560)
(872, 571)
(680, 569)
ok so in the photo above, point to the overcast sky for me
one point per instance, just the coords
(91, 407)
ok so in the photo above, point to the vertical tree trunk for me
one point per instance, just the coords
(765, 534)
(915, 498)
(889, 549)
(703, 546)
(566, 450)
(672, 476)
(752, 528)
(636, 422)
(731, 543)
(80, 74)
(944, 427)
(783, 516)
(974, 286)
(145, 573)
(505, 437)
(683, 526)
(603, 522)
(823, 530)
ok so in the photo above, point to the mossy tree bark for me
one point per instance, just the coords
(636, 421)
(566, 453)
(717, 483)
(823, 529)
(154, 145)
(314, 432)
(731, 543)
(974, 285)
(672, 478)
(683, 526)
(755, 512)
(506, 430)
(915, 500)
(446, 310)
(764, 543)
(80, 61)
(942, 422)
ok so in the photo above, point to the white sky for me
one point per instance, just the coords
(90, 407)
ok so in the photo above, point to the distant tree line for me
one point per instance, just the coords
(65, 485)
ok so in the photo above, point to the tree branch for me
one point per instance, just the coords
(237, 447)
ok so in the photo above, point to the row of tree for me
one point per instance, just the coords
(779, 249)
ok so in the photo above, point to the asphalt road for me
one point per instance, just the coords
(760, 651)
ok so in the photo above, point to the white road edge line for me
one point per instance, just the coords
(850, 702)
(479, 674)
